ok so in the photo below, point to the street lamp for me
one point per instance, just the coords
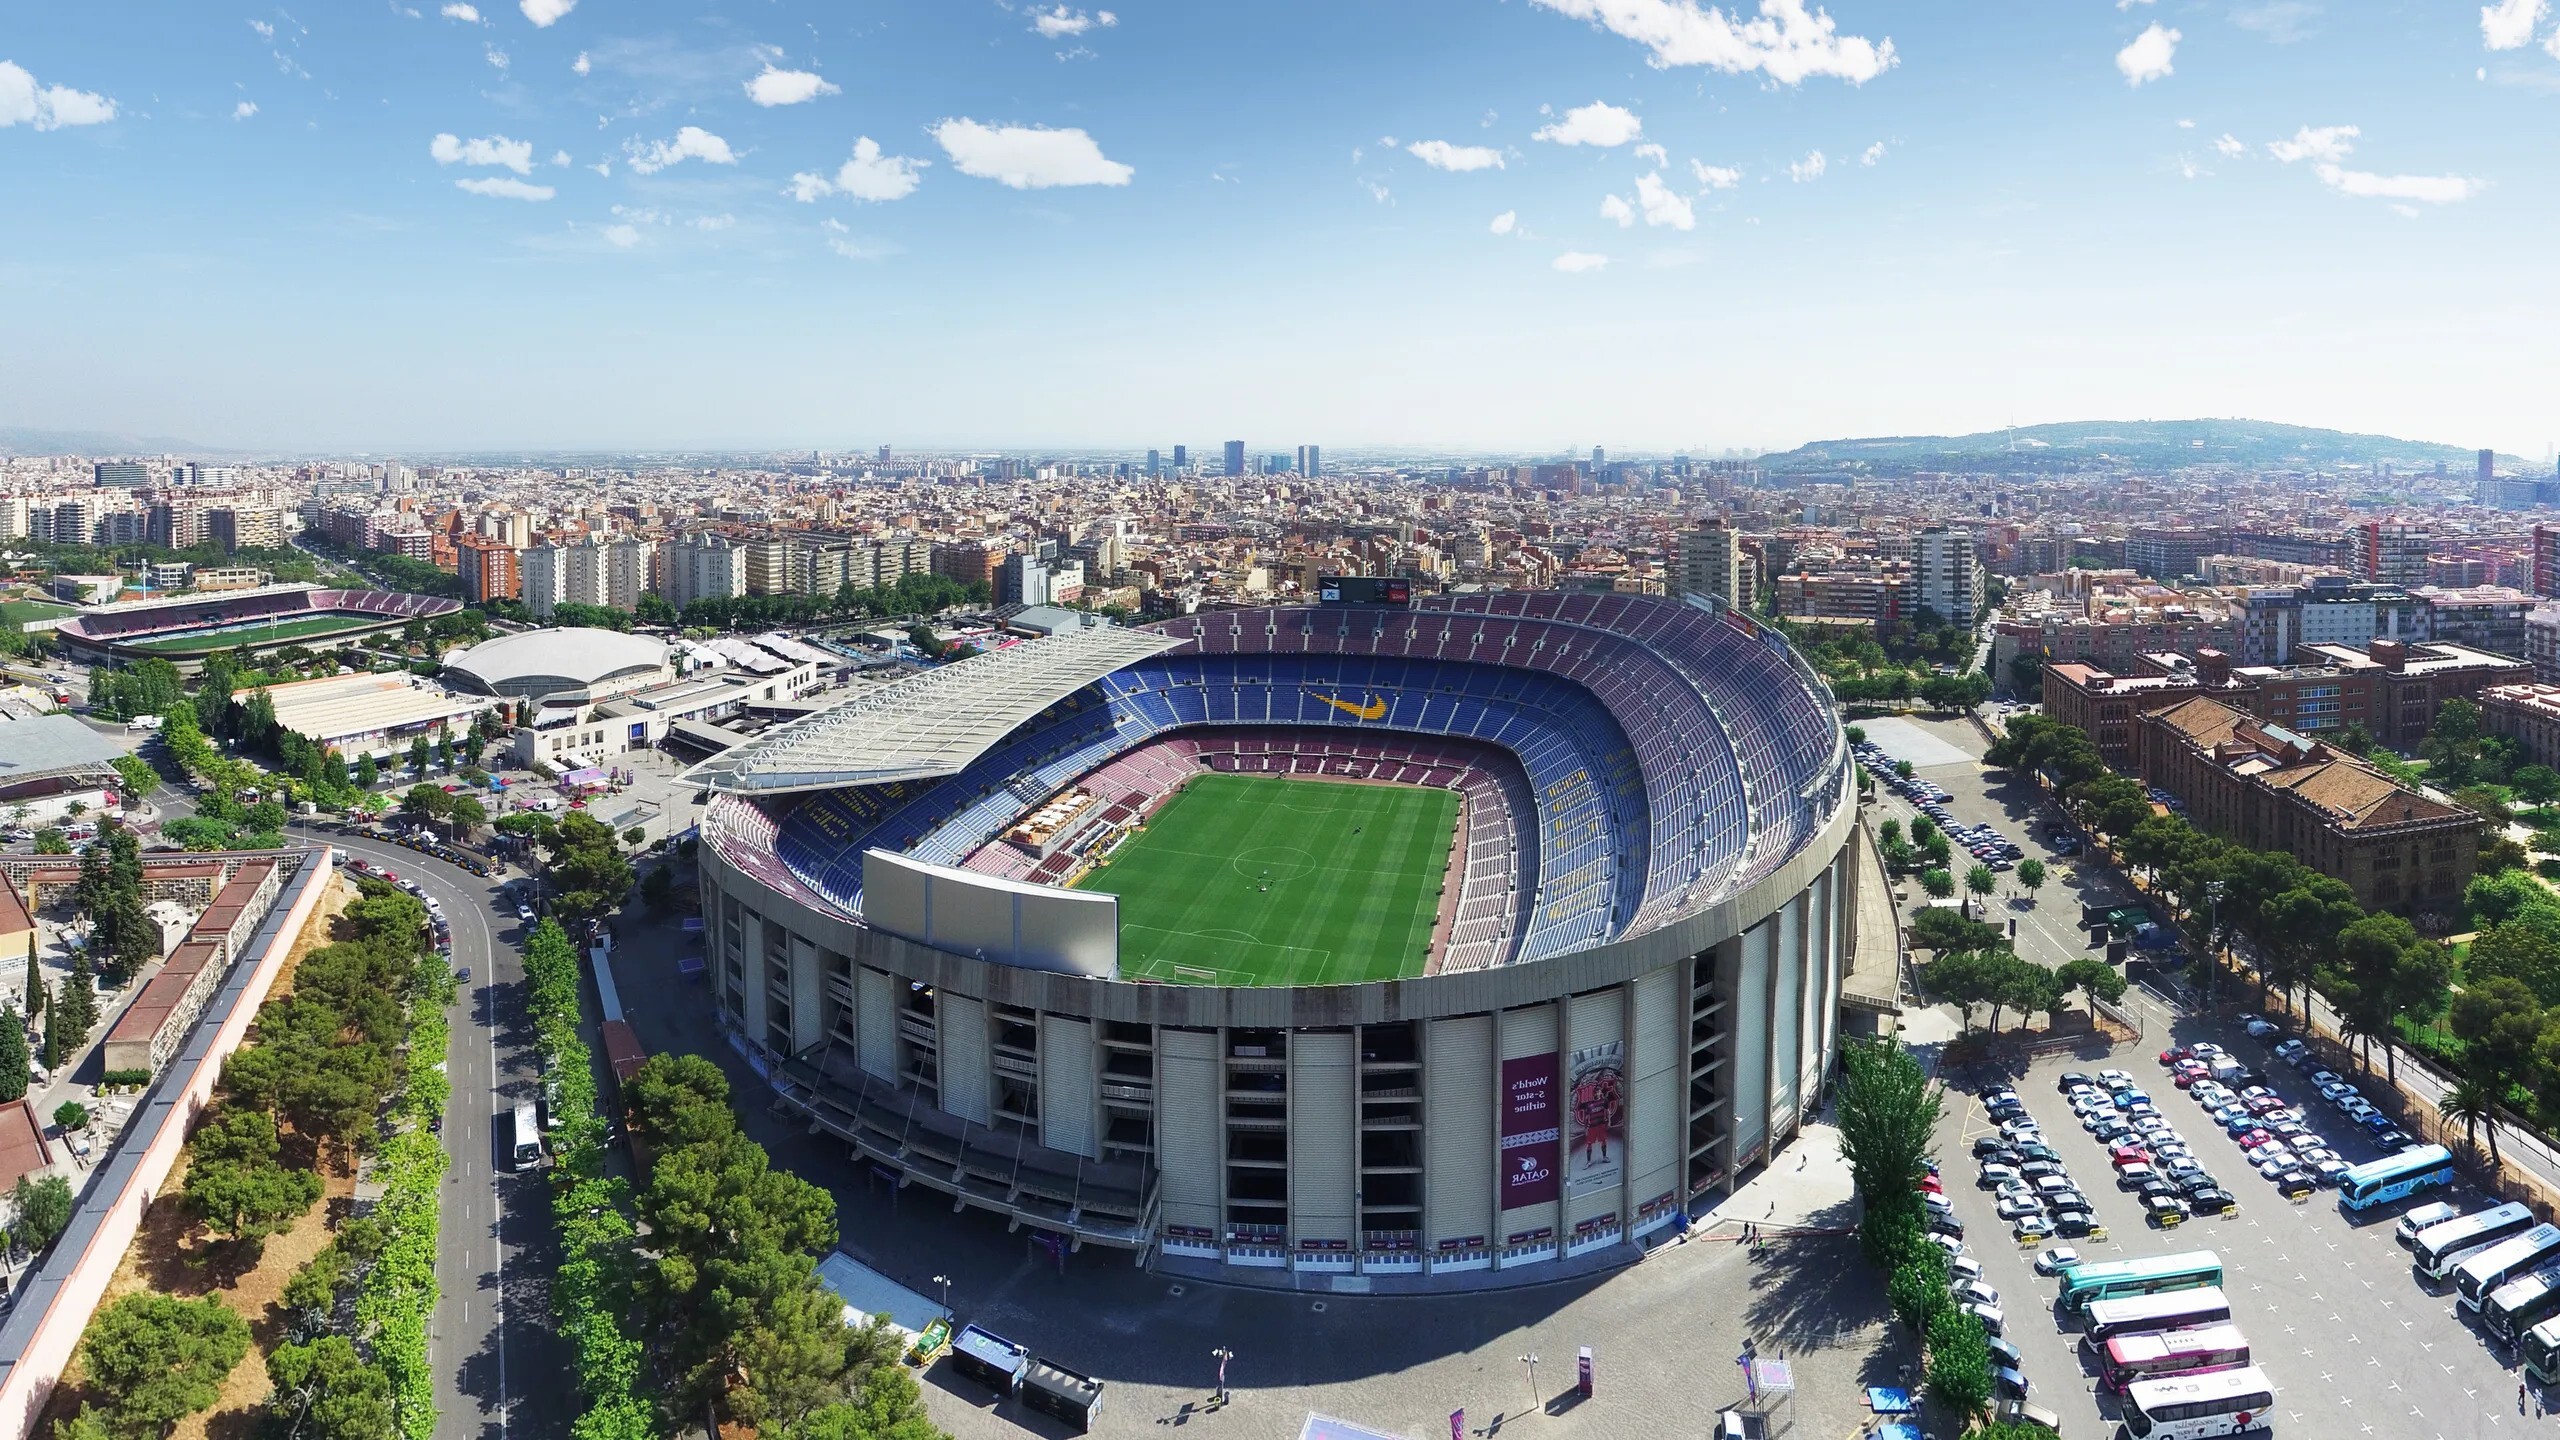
(2213, 891)
(1222, 1355)
(945, 1282)
(1531, 1360)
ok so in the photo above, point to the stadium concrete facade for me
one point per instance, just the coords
(1633, 996)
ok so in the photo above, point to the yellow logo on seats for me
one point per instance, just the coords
(1376, 709)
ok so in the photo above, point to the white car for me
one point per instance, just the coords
(2271, 1151)
(525, 913)
(1974, 1292)
(2018, 1208)
(2054, 1259)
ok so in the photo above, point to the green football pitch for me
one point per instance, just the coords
(261, 635)
(1258, 880)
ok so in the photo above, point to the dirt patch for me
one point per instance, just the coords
(171, 1256)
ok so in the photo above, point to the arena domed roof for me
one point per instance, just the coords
(536, 663)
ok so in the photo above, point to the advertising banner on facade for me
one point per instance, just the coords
(1596, 1145)
(1531, 1135)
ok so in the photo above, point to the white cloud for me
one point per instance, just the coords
(2509, 24)
(1654, 153)
(265, 30)
(1615, 207)
(468, 14)
(2229, 146)
(1505, 223)
(560, 158)
(1663, 205)
(2129, 4)
(1378, 192)
(1576, 262)
(2550, 46)
(2425, 189)
(2186, 124)
(1810, 167)
(603, 167)
(869, 175)
(1059, 22)
(1598, 123)
(244, 109)
(620, 237)
(1786, 42)
(545, 13)
(499, 187)
(1872, 154)
(713, 222)
(788, 87)
(2189, 169)
(1028, 157)
(2327, 143)
(582, 64)
(1441, 155)
(2148, 57)
(516, 155)
(497, 57)
(1716, 177)
(691, 143)
(47, 107)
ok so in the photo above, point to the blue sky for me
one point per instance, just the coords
(1426, 222)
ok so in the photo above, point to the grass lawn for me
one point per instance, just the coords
(200, 642)
(1258, 880)
(21, 612)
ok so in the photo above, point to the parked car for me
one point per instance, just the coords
(2054, 1259)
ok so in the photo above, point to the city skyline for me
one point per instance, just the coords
(1471, 226)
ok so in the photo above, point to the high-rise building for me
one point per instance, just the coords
(1235, 457)
(1709, 561)
(1599, 456)
(543, 567)
(489, 568)
(2393, 552)
(131, 474)
(1022, 580)
(1950, 579)
(2488, 466)
(705, 566)
(628, 563)
(1153, 468)
(1181, 458)
(1310, 459)
(2546, 560)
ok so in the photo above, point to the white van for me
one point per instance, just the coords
(2422, 1217)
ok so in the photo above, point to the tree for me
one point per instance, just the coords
(40, 1209)
(1937, 882)
(1959, 1377)
(159, 1359)
(2031, 875)
(2095, 979)
(13, 1056)
(1918, 1291)
(2525, 947)
(1980, 881)
(588, 867)
(653, 609)
(136, 776)
(1903, 768)
(325, 1390)
(71, 1115)
(1887, 1114)
(235, 1184)
(2474, 1102)
(367, 772)
(468, 814)
(2535, 784)
(51, 841)
(1889, 832)
(2498, 1022)
(1942, 928)
(418, 754)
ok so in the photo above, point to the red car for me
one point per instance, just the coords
(1930, 1185)
(2176, 1053)
(2126, 1154)
(2186, 1079)
(2266, 1103)
(2251, 1139)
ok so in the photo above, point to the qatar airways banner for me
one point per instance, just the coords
(1532, 1131)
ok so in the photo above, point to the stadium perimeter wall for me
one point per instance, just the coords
(1724, 1026)
(56, 1298)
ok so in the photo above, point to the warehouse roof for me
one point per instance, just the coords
(52, 745)
(933, 724)
(336, 706)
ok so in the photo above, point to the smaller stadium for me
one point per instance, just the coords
(184, 629)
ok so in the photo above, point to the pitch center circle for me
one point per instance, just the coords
(1273, 862)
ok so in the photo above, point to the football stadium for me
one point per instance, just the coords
(1425, 936)
(184, 629)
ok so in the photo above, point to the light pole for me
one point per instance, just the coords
(2213, 938)
(945, 1282)
(1222, 1355)
(1531, 1360)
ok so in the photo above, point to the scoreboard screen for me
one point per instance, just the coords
(1364, 590)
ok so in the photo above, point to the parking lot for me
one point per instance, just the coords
(2332, 1310)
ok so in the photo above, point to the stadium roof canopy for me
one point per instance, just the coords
(52, 745)
(931, 725)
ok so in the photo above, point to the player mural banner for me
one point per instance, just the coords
(1530, 1135)
(1597, 1143)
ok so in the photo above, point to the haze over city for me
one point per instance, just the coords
(1463, 224)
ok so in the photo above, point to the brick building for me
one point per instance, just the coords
(488, 568)
(2269, 788)
(2530, 714)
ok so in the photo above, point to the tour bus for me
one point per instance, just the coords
(2153, 1354)
(2521, 1303)
(2395, 1177)
(2143, 1314)
(2541, 1351)
(2439, 1248)
(528, 1137)
(2488, 1269)
(2115, 1279)
(2189, 1407)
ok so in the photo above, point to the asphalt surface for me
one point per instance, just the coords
(2355, 1343)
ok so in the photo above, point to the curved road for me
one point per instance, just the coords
(500, 1366)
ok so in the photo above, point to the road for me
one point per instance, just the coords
(2354, 1343)
(500, 1365)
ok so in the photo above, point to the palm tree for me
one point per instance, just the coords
(2475, 1103)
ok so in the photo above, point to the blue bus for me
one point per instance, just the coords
(2395, 1177)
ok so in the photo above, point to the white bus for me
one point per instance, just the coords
(2191, 1407)
(2142, 1314)
(2439, 1248)
(528, 1138)
(2485, 1271)
(2523, 1302)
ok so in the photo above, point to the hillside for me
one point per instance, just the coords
(2122, 444)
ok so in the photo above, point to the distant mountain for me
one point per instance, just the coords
(22, 440)
(2119, 444)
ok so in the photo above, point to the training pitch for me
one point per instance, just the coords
(1254, 880)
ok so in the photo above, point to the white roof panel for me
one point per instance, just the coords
(931, 725)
